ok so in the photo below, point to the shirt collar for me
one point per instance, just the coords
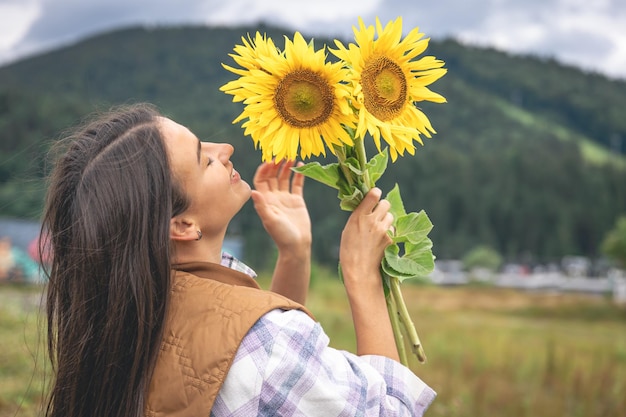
(216, 272)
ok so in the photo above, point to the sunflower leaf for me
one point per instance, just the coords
(417, 261)
(412, 227)
(348, 201)
(409, 238)
(390, 271)
(377, 165)
(422, 254)
(354, 166)
(403, 265)
(414, 250)
(397, 206)
(326, 174)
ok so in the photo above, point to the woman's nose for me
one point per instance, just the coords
(226, 150)
(223, 151)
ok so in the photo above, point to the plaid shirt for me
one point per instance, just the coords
(231, 262)
(284, 367)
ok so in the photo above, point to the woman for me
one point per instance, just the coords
(146, 316)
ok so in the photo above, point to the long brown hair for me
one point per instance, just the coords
(110, 199)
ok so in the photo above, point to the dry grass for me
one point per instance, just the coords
(491, 351)
(500, 352)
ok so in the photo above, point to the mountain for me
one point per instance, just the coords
(528, 159)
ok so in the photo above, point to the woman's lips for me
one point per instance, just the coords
(234, 176)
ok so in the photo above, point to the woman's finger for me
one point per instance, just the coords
(369, 202)
(265, 176)
(381, 209)
(297, 183)
(284, 175)
(259, 177)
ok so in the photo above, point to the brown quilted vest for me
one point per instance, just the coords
(211, 310)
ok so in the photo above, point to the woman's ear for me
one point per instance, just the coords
(183, 229)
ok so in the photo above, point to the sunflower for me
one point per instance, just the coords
(249, 56)
(387, 83)
(293, 99)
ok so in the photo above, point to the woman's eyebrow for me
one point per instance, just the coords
(198, 152)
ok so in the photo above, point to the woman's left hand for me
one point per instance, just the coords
(280, 204)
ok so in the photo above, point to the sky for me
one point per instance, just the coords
(589, 34)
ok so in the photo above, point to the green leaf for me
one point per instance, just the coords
(399, 264)
(413, 227)
(377, 165)
(417, 261)
(389, 271)
(349, 202)
(426, 245)
(353, 165)
(397, 206)
(422, 254)
(326, 174)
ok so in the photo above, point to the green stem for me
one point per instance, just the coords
(414, 339)
(361, 155)
(395, 325)
(340, 151)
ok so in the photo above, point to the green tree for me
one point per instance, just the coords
(482, 257)
(614, 244)
(529, 158)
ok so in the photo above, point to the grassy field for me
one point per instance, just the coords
(22, 359)
(490, 351)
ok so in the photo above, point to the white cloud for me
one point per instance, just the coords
(295, 13)
(17, 17)
(580, 32)
(598, 38)
(328, 17)
(576, 32)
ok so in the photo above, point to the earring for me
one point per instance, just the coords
(199, 235)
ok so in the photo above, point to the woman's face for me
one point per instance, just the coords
(207, 175)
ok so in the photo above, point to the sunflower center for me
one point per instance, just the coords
(384, 88)
(304, 99)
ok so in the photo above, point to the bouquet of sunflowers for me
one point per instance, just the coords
(298, 103)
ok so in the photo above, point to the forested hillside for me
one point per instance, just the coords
(529, 155)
